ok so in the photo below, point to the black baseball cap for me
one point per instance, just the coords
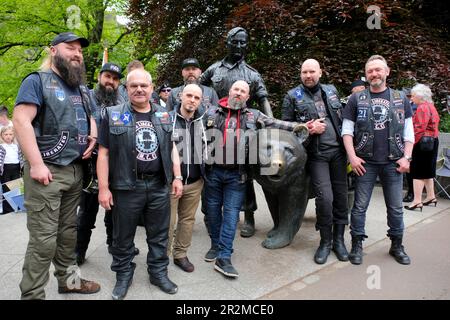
(112, 67)
(190, 62)
(357, 83)
(164, 86)
(69, 37)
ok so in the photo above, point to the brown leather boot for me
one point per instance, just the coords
(85, 287)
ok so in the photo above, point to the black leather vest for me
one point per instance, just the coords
(364, 125)
(305, 109)
(55, 126)
(122, 145)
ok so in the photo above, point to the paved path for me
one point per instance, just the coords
(287, 273)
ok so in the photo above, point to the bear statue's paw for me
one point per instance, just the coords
(277, 240)
(272, 232)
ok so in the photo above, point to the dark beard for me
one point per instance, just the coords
(106, 97)
(73, 76)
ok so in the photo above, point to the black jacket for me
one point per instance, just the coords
(190, 138)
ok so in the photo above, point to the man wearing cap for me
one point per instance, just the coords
(106, 94)
(191, 72)
(55, 129)
(356, 86)
(164, 92)
(221, 75)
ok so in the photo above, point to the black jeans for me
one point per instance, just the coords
(87, 215)
(329, 180)
(150, 199)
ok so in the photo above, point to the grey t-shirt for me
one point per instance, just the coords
(328, 139)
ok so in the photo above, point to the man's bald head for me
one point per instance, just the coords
(310, 73)
(241, 84)
(190, 99)
(238, 95)
(139, 73)
(139, 88)
(192, 87)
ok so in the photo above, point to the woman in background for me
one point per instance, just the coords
(423, 164)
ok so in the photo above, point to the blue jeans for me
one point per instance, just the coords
(392, 183)
(223, 189)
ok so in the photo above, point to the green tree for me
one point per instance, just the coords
(27, 28)
(413, 36)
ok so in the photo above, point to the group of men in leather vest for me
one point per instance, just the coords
(139, 160)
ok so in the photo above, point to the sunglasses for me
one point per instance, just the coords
(166, 90)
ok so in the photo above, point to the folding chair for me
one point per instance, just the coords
(444, 172)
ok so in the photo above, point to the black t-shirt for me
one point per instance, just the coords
(380, 108)
(147, 145)
(30, 92)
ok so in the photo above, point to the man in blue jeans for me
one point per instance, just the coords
(378, 136)
(227, 171)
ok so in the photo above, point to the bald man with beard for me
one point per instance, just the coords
(318, 106)
(226, 173)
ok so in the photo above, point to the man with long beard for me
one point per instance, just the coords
(106, 94)
(55, 129)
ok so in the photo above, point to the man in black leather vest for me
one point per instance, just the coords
(135, 169)
(319, 107)
(221, 75)
(378, 136)
(191, 72)
(106, 94)
(53, 123)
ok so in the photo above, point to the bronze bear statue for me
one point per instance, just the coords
(282, 175)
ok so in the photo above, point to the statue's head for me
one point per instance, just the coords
(237, 42)
(281, 157)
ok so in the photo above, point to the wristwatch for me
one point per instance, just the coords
(179, 178)
(408, 158)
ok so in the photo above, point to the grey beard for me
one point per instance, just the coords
(73, 76)
(235, 104)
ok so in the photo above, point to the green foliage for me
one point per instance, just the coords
(29, 26)
(414, 38)
(444, 124)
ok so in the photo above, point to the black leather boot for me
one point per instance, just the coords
(165, 284)
(398, 251)
(123, 282)
(356, 254)
(338, 242)
(248, 229)
(325, 246)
